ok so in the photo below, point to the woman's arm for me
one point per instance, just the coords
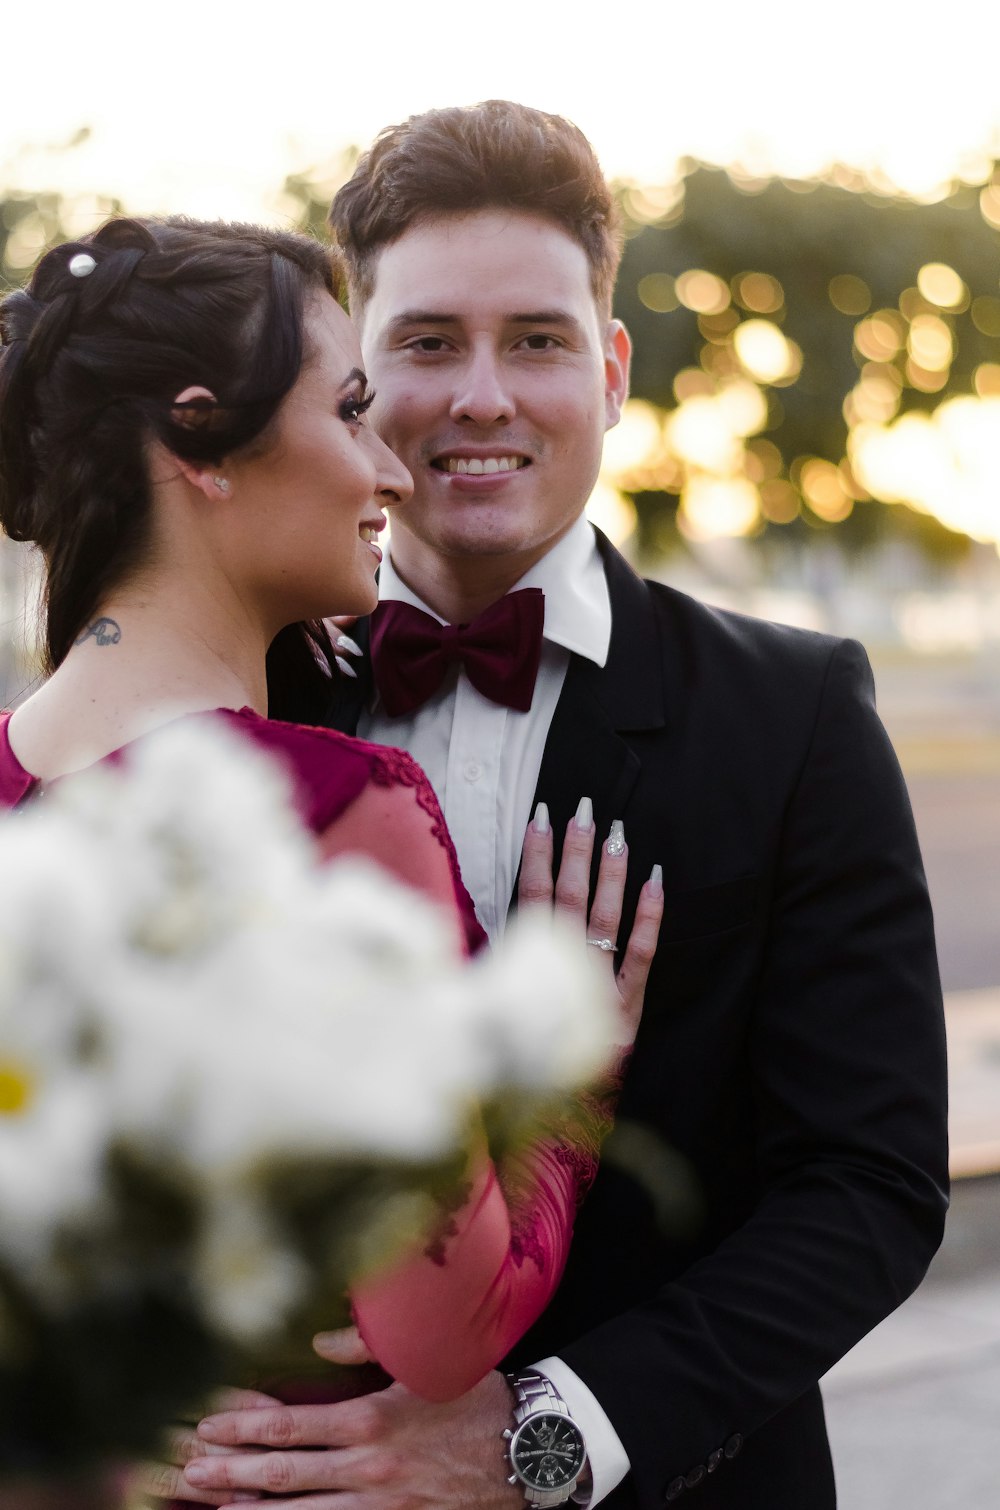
(441, 1318)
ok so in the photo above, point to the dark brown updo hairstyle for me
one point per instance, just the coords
(89, 368)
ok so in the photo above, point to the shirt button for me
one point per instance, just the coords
(674, 1490)
(473, 770)
(733, 1446)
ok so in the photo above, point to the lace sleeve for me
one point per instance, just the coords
(494, 1263)
(396, 820)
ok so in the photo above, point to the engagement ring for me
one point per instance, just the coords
(608, 945)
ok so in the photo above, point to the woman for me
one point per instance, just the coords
(182, 433)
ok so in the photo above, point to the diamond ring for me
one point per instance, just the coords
(608, 945)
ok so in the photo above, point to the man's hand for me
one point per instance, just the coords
(387, 1451)
(160, 1482)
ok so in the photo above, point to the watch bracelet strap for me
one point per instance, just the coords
(534, 1393)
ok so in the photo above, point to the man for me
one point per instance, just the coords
(791, 1049)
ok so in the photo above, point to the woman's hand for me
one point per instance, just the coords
(571, 890)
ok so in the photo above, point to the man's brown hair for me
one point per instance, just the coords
(476, 157)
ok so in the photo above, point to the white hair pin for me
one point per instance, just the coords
(82, 265)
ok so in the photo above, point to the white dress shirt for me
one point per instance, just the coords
(483, 762)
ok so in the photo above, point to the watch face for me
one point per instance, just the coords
(547, 1452)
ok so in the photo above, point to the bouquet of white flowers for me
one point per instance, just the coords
(229, 1079)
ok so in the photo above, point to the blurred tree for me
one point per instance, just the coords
(841, 306)
(773, 322)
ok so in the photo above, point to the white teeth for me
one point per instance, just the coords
(368, 534)
(475, 466)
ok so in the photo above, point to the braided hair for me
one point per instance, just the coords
(96, 348)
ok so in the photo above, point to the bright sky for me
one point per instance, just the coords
(205, 107)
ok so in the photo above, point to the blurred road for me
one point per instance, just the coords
(914, 1409)
(958, 820)
(944, 718)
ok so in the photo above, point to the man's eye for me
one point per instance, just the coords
(540, 343)
(428, 344)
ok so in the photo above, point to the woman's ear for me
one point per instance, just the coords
(194, 409)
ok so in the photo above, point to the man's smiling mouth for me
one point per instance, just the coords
(478, 466)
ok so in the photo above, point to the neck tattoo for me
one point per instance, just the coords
(104, 630)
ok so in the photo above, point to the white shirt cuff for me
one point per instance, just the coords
(607, 1457)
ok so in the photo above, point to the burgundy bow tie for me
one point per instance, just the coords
(500, 651)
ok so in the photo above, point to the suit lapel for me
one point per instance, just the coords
(585, 753)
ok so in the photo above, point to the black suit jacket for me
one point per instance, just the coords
(791, 1052)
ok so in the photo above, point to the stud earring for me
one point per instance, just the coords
(222, 483)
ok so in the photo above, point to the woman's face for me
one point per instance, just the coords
(308, 509)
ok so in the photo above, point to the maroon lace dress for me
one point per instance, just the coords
(444, 1316)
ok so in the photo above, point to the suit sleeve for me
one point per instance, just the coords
(847, 1070)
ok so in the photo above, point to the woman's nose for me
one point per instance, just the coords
(394, 483)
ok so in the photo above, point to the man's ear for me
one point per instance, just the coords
(617, 362)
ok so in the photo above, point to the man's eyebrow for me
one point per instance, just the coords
(547, 317)
(421, 317)
(410, 317)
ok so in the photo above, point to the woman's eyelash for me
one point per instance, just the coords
(353, 408)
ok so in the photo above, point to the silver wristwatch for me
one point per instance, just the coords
(545, 1447)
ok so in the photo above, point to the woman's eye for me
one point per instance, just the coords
(352, 409)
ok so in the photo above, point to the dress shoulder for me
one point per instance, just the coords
(15, 781)
(330, 770)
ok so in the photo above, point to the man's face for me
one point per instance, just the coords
(496, 377)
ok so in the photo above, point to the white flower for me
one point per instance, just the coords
(53, 1141)
(247, 1278)
(179, 976)
(542, 1008)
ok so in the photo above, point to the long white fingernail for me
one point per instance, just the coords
(584, 818)
(616, 839)
(541, 819)
(344, 642)
(345, 667)
(656, 881)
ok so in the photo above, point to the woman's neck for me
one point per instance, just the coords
(146, 657)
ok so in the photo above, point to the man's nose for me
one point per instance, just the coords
(483, 395)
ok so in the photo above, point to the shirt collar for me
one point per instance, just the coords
(571, 575)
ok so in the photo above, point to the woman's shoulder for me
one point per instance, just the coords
(330, 769)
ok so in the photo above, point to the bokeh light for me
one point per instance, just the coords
(759, 293)
(989, 205)
(880, 336)
(611, 511)
(657, 292)
(929, 343)
(766, 353)
(823, 488)
(703, 292)
(985, 312)
(714, 508)
(941, 285)
(850, 295)
(943, 463)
